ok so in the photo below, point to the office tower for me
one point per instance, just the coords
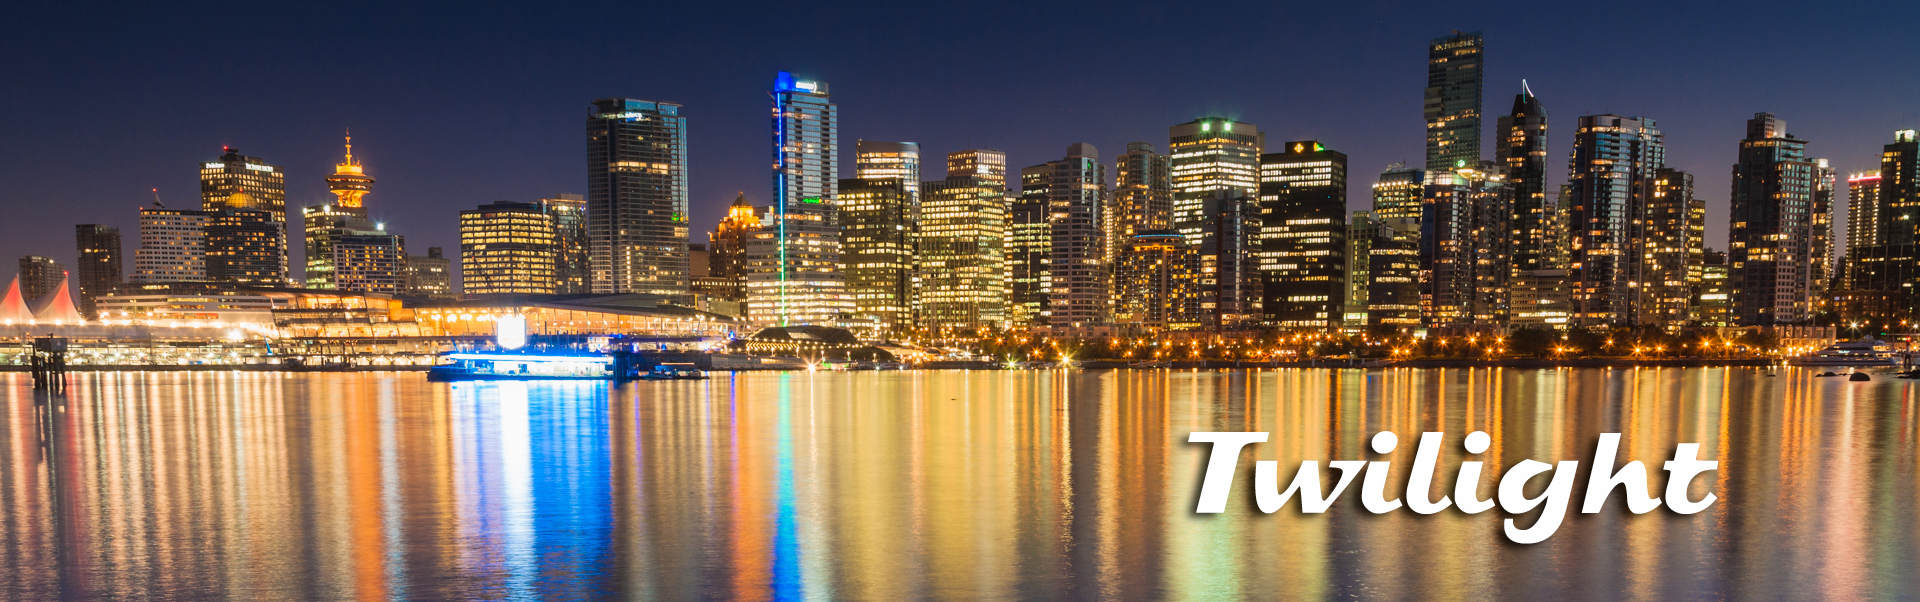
(324, 225)
(1715, 309)
(1863, 222)
(986, 164)
(963, 247)
(1302, 239)
(1156, 287)
(1541, 299)
(1769, 237)
(1142, 194)
(1612, 173)
(173, 246)
(507, 248)
(573, 272)
(636, 200)
(1393, 276)
(1228, 250)
(1398, 193)
(1209, 155)
(1362, 228)
(100, 269)
(1672, 226)
(370, 263)
(246, 247)
(794, 263)
(874, 160)
(1454, 82)
(876, 242)
(1068, 199)
(1884, 269)
(1825, 185)
(430, 275)
(1466, 245)
(1523, 152)
(237, 182)
(1029, 248)
(727, 259)
(39, 277)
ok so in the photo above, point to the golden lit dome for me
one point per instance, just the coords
(240, 200)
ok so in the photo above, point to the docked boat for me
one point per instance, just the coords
(521, 366)
(1865, 351)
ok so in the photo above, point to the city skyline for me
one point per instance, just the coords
(532, 144)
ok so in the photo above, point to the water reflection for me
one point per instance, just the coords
(958, 485)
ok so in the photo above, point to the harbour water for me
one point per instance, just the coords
(935, 484)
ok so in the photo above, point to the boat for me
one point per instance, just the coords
(672, 372)
(1864, 351)
(521, 365)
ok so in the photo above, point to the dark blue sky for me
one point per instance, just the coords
(461, 104)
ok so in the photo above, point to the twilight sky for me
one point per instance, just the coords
(461, 104)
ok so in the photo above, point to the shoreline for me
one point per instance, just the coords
(1086, 365)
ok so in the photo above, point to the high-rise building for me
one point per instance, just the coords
(1393, 276)
(100, 268)
(1883, 270)
(173, 246)
(986, 164)
(877, 245)
(962, 251)
(1523, 152)
(238, 182)
(1455, 79)
(1303, 236)
(794, 262)
(1029, 248)
(507, 248)
(1398, 193)
(1714, 310)
(1466, 244)
(727, 255)
(1209, 155)
(1769, 237)
(1072, 195)
(1673, 226)
(327, 226)
(1362, 229)
(1863, 221)
(246, 247)
(430, 275)
(1142, 194)
(1156, 287)
(1614, 163)
(573, 275)
(39, 277)
(1825, 187)
(875, 160)
(636, 209)
(350, 184)
(370, 263)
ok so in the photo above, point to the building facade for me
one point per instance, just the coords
(430, 275)
(573, 274)
(1302, 241)
(1612, 173)
(1070, 196)
(1156, 287)
(962, 252)
(1206, 156)
(1522, 151)
(636, 209)
(246, 247)
(1671, 250)
(877, 242)
(507, 248)
(100, 268)
(794, 271)
(236, 182)
(1455, 80)
(1769, 239)
(1466, 248)
(39, 277)
(173, 246)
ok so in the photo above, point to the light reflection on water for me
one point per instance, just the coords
(960, 485)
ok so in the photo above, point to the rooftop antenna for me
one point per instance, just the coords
(156, 199)
(1524, 88)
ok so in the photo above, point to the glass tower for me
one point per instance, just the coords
(1303, 236)
(794, 266)
(637, 198)
(1454, 83)
(1522, 150)
(1769, 239)
(1612, 174)
(962, 250)
(507, 248)
(100, 263)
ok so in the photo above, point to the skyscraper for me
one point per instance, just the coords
(350, 183)
(1398, 192)
(507, 248)
(1614, 163)
(986, 164)
(1523, 152)
(1825, 186)
(876, 241)
(1302, 239)
(1072, 194)
(173, 246)
(1142, 194)
(1883, 271)
(573, 270)
(370, 263)
(1863, 222)
(1455, 78)
(39, 277)
(1671, 249)
(1465, 247)
(1393, 278)
(246, 247)
(327, 226)
(1362, 229)
(238, 182)
(100, 268)
(962, 250)
(636, 198)
(874, 160)
(1210, 154)
(1769, 238)
(794, 263)
(1029, 248)
(1156, 287)
(727, 255)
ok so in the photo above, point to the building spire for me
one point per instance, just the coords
(349, 160)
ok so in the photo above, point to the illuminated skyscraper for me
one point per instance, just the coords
(636, 199)
(986, 164)
(1522, 150)
(1209, 155)
(100, 263)
(246, 247)
(1393, 276)
(1673, 229)
(1770, 235)
(1303, 236)
(1455, 79)
(727, 253)
(573, 272)
(1465, 246)
(962, 251)
(1614, 163)
(241, 183)
(1884, 268)
(1157, 288)
(1825, 186)
(1029, 248)
(1398, 192)
(370, 263)
(1071, 196)
(350, 183)
(1863, 222)
(874, 160)
(173, 246)
(1142, 194)
(794, 268)
(507, 248)
(876, 238)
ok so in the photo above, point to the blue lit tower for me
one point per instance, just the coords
(793, 265)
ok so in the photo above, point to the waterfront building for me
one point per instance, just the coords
(173, 246)
(727, 257)
(1886, 267)
(1522, 150)
(1455, 80)
(1466, 246)
(1399, 193)
(1209, 155)
(1142, 195)
(1069, 197)
(1769, 238)
(1715, 308)
(1394, 275)
(39, 277)
(877, 243)
(239, 182)
(1614, 164)
(573, 272)
(636, 205)
(1673, 228)
(794, 264)
(247, 247)
(1231, 295)
(370, 263)
(962, 251)
(1302, 239)
(1541, 299)
(100, 263)
(1362, 228)
(507, 248)
(1825, 187)
(1029, 246)
(1863, 221)
(430, 275)
(1156, 286)
(327, 226)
